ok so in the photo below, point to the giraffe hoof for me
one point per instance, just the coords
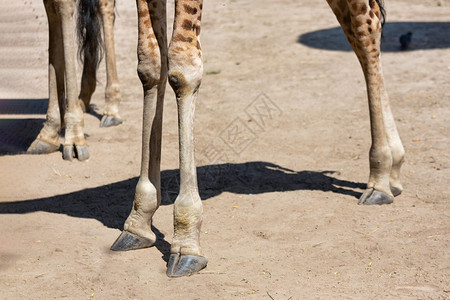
(129, 241)
(68, 153)
(109, 121)
(184, 265)
(396, 191)
(41, 147)
(371, 196)
(81, 152)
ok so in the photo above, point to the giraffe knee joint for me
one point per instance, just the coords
(149, 72)
(185, 74)
(183, 84)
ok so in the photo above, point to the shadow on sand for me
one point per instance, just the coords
(426, 36)
(111, 204)
(16, 132)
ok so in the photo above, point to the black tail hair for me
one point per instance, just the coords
(89, 30)
(382, 11)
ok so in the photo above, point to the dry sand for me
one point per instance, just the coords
(280, 214)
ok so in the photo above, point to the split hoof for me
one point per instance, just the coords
(184, 265)
(81, 152)
(396, 191)
(372, 196)
(109, 121)
(41, 147)
(129, 241)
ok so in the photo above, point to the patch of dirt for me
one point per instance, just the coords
(280, 213)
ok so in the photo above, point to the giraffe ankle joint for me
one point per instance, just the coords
(380, 155)
(145, 197)
(112, 90)
(398, 155)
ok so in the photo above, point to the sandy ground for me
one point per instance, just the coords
(280, 213)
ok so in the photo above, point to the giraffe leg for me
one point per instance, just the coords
(88, 84)
(360, 21)
(395, 144)
(185, 74)
(152, 70)
(73, 117)
(48, 138)
(111, 115)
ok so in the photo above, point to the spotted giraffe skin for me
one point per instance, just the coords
(182, 64)
(66, 105)
(111, 116)
(360, 21)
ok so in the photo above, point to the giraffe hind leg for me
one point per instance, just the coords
(111, 116)
(361, 23)
(74, 141)
(90, 44)
(48, 139)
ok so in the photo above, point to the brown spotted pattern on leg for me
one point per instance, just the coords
(111, 114)
(152, 71)
(185, 75)
(360, 21)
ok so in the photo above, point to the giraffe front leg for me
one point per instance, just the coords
(48, 138)
(111, 116)
(185, 74)
(186, 258)
(152, 70)
(137, 232)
